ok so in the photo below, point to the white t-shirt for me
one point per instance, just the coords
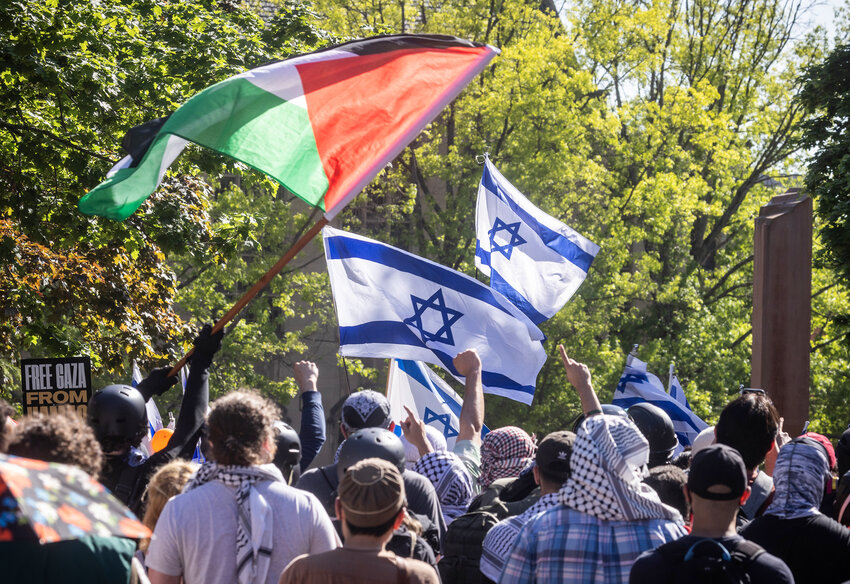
(196, 534)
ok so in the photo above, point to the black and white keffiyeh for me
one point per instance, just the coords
(254, 525)
(606, 467)
(451, 481)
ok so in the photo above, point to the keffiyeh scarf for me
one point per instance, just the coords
(254, 524)
(504, 453)
(606, 467)
(450, 479)
(799, 478)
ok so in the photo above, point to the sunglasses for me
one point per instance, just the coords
(745, 390)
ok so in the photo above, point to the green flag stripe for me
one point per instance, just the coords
(258, 128)
(236, 118)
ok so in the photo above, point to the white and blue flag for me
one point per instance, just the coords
(154, 419)
(638, 385)
(536, 261)
(393, 304)
(414, 385)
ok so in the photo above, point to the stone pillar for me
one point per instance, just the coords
(782, 307)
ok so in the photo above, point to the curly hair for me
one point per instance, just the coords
(64, 438)
(166, 482)
(239, 425)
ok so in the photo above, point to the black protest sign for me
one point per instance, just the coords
(56, 385)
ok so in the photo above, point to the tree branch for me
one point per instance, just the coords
(18, 129)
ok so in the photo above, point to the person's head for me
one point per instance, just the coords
(167, 482)
(505, 452)
(435, 439)
(749, 424)
(827, 447)
(364, 409)
(609, 409)
(61, 438)
(667, 480)
(657, 427)
(552, 467)
(371, 500)
(118, 417)
(287, 457)
(801, 471)
(370, 443)
(240, 429)
(703, 439)
(717, 484)
(7, 425)
(607, 465)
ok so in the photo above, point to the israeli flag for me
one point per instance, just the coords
(415, 385)
(393, 304)
(536, 261)
(154, 419)
(638, 385)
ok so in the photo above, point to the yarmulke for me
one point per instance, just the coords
(371, 492)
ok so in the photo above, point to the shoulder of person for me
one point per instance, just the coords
(417, 571)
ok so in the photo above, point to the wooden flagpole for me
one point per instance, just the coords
(261, 283)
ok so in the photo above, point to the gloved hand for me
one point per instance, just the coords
(206, 345)
(157, 382)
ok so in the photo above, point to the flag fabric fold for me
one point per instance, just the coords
(415, 385)
(393, 304)
(322, 124)
(536, 261)
(639, 385)
(154, 419)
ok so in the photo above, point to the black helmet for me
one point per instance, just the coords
(118, 417)
(657, 427)
(370, 443)
(608, 409)
(288, 454)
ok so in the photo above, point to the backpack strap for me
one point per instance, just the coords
(746, 552)
(724, 553)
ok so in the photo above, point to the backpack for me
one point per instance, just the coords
(462, 544)
(708, 561)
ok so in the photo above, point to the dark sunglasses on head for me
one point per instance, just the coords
(745, 390)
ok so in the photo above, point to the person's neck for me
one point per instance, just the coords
(713, 525)
(365, 542)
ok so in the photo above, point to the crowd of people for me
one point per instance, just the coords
(615, 499)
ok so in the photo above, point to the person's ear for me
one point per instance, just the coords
(687, 494)
(746, 495)
(399, 519)
(342, 430)
(535, 470)
(338, 509)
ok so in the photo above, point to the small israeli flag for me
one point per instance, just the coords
(639, 385)
(536, 261)
(154, 419)
(415, 385)
(393, 304)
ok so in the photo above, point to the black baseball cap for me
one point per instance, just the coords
(718, 465)
(553, 454)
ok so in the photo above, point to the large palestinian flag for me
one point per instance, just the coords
(322, 124)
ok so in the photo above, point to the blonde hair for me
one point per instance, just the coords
(167, 482)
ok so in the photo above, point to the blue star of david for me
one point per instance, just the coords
(444, 419)
(511, 229)
(449, 317)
